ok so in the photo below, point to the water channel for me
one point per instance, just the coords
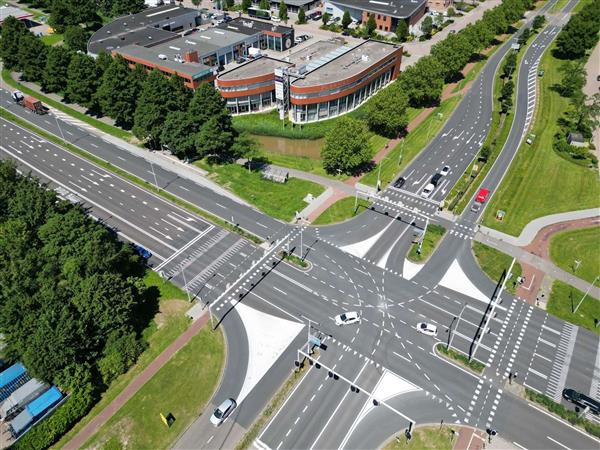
(310, 148)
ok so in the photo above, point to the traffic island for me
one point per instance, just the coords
(448, 353)
(295, 260)
(423, 247)
(433, 437)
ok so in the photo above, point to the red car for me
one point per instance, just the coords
(482, 195)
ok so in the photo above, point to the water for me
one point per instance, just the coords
(296, 147)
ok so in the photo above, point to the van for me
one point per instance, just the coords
(582, 400)
(436, 179)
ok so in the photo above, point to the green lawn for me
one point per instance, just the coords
(564, 298)
(430, 438)
(432, 238)
(341, 210)
(539, 182)
(493, 263)
(52, 39)
(277, 200)
(181, 388)
(315, 166)
(582, 245)
(414, 143)
(168, 324)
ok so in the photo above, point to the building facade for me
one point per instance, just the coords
(440, 6)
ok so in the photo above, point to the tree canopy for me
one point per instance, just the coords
(346, 148)
(386, 112)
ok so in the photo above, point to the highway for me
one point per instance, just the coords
(264, 304)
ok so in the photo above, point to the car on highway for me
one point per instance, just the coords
(222, 412)
(141, 251)
(399, 182)
(347, 318)
(436, 179)
(445, 171)
(482, 195)
(427, 328)
(582, 400)
(427, 190)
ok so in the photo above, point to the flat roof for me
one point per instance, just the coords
(150, 57)
(254, 68)
(252, 26)
(18, 13)
(347, 64)
(142, 36)
(127, 29)
(401, 9)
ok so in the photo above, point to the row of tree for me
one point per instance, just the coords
(580, 34)
(423, 81)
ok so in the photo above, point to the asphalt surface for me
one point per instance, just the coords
(355, 266)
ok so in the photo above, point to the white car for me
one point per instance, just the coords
(222, 412)
(275, 19)
(445, 170)
(427, 328)
(347, 318)
(428, 190)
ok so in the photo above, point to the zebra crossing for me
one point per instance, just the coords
(562, 360)
(64, 117)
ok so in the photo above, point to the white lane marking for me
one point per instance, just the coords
(556, 442)
(279, 290)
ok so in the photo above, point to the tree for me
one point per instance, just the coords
(207, 103)
(179, 135)
(525, 35)
(346, 20)
(538, 22)
(508, 69)
(54, 78)
(301, 16)
(283, 14)
(245, 5)
(32, 53)
(124, 7)
(326, 17)
(506, 96)
(453, 53)
(103, 61)
(121, 351)
(386, 112)
(584, 114)
(577, 36)
(423, 82)
(264, 4)
(402, 31)
(427, 26)
(118, 92)
(451, 12)
(346, 147)
(11, 33)
(197, 3)
(64, 13)
(245, 146)
(371, 25)
(573, 78)
(76, 38)
(214, 139)
(83, 79)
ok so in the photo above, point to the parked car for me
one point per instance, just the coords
(582, 400)
(399, 182)
(141, 251)
(275, 19)
(427, 328)
(317, 15)
(221, 413)
(427, 191)
(541, 73)
(445, 170)
(347, 318)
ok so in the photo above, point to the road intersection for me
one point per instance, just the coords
(358, 265)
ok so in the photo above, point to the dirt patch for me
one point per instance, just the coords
(168, 309)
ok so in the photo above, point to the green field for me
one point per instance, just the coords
(341, 210)
(181, 388)
(277, 200)
(431, 240)
(582, 245)
(539, 182)
(494, 263)
(412, 145)
(52, 39)
(315, 166)
(168, 324)
(430, 438)
(564, 298)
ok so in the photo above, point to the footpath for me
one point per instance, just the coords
(135, 385)
(474, 439)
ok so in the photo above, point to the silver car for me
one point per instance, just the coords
(222, 412)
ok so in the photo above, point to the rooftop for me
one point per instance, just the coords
(150, 56)
(18, 13)
(400, 9)
(128, 29)
(251, 26)
(344, 63)
(254, 68)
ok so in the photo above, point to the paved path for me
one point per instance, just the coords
(532, 228)
(135, 385)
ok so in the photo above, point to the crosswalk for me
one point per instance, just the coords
(563, 352)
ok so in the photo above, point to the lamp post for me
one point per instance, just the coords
(154, 175)
(379, 174)
(423, 236)
(455, 328)
(437, 116)
(585, 295)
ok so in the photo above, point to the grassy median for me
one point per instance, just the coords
(431, 240)
(565, 298)
(430, 438)
(581, 245)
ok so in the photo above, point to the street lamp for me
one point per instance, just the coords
(585, 295)
(401, 151)
(154, 175)
(455, 328)
(439, 116)
(379, 174)
(423, 236)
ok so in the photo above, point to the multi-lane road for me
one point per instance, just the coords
(373, 377)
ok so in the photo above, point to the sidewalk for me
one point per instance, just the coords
(135, 385)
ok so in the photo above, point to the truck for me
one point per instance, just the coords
(27, 101)
(34, 410)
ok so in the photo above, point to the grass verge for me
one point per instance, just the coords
(293, 259)
(113, 131)
(582, 245)
(494, 263)
(565, 298)
(181, 390)
(430, 438)
(138, 181)
(341, 210)
(432, 238)
(412, 145)
(463, 360)
(279, 200)
(540, 182)
(556, 408)
(275, 403)
(169, 323)
(52, 39)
